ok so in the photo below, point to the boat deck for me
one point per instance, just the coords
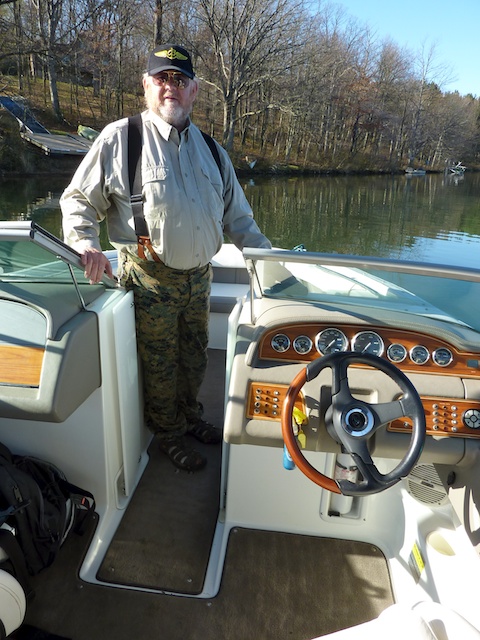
(168, 547)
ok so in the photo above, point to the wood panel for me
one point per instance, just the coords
(265, 400)
(464, 364)
(21, 366)
(445, 417)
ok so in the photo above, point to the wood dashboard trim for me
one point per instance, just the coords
(465, 364)
(444, 417)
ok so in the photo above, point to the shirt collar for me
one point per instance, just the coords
(166, 130)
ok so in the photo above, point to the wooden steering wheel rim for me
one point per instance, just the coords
(291, 442)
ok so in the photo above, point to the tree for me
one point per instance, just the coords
(49, 13)
(247, 43)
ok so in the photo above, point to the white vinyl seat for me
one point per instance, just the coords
(12, 604)
(426, 621)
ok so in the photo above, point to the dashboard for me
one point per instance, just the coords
(412, 352)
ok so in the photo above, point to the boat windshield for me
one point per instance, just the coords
(28, 253)
(445, 293)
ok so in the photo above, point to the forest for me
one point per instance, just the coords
(283, 83)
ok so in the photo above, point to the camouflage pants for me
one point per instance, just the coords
(171, 315)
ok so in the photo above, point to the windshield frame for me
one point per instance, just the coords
(29, 231)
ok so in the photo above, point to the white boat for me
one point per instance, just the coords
(458, 169)
(343, 501)
(410, 171)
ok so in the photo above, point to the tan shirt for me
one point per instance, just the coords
(186, 205)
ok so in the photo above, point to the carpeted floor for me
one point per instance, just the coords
(275, 586)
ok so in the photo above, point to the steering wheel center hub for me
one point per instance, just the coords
(358, 421)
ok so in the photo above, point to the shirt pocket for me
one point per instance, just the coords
(156, 199)
(212, 193)
(154, 173)
(157, 190)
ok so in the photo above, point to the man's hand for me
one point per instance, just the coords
(96, 265)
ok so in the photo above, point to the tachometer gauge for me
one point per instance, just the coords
(419, 354)
(331, 341)
(368, 342)
(302, 344)
(396, 352)
(280, 342)
(443, 357)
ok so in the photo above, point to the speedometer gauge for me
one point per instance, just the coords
(368, 342)
(331, 341)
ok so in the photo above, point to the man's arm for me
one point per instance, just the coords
(238, 221)
(84, 203)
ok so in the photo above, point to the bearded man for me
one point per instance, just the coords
(191, 198)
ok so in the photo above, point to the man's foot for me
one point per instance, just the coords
(204, 432)
(182, 456)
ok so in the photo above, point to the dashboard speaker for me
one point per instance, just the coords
(424, 485)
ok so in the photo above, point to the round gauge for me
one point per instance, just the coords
(280, 342)
(396, 352)
(302, 344)
(443, 357)
(419, 354)
(368, 342)
(331, 341)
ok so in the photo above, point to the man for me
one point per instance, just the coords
(188, 205)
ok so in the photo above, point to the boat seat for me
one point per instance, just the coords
(425, 621)
(12, 604)
(224, 296)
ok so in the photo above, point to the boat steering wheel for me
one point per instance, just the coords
(352, 422)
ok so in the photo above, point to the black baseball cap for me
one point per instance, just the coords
(170, 56)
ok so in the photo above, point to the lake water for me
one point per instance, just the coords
(432, 218)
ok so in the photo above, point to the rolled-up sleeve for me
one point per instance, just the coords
(238, 221)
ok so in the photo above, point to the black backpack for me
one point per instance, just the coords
(38, 509)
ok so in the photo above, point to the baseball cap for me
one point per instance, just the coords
(170, 56)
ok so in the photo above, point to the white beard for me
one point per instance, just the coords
(173, 113)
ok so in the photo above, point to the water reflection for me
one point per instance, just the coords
(432, 217)
(375, 215)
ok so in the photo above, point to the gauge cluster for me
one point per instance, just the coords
(407, 349)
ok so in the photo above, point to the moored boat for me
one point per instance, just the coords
(343, 498)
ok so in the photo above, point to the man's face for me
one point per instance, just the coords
(165, 96)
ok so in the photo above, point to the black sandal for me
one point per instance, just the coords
(204, 432)
(182, 456)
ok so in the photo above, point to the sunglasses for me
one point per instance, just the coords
(177, 79)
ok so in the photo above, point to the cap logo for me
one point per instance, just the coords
(171, 54)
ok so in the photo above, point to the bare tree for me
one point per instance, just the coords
(247, 42)
(48, 13)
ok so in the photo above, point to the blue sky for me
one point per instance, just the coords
(453, 26)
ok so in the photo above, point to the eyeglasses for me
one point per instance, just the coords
(177, 79)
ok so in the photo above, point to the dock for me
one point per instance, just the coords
(57, 144)
(36, 134)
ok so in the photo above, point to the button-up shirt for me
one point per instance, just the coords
(188, 204)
